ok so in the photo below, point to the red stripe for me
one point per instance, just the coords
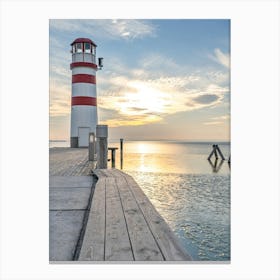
(83, 64)
(83, 100)
(83, 78)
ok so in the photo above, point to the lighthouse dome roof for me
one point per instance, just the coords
(83, 40)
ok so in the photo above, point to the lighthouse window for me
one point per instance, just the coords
(79, 47)
(87, 47)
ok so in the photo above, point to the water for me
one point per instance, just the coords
(192, 194)
(197, 208)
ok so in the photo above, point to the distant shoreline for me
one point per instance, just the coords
(162, 140)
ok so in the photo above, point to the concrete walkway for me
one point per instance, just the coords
(68, 203)
(69, 162)
(70, 189)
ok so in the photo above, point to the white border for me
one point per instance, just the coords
(255, 138)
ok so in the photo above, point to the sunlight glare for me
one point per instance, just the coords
(142, 148)
(145, 100)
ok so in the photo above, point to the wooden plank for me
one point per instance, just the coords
(100, 173)
(119, 173)
(143, 243)
(134, 229)
(94, 239)
(113, 173)
(168, 242)
(117, 244)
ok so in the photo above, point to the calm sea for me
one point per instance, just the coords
(191, 193)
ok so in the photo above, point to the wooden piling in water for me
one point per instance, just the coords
(113, 156)
(121, 152)
(211, 154)
(220, 153)
(214, 151)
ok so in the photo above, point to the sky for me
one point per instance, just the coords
(162, 79)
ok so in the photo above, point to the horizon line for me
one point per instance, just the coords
(156, 139)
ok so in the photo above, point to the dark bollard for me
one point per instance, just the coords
(102, 144)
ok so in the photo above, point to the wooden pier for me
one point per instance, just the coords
(120, 223)
(123, 225)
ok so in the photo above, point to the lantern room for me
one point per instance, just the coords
(83, 50)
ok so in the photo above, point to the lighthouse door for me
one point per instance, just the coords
(83, 136)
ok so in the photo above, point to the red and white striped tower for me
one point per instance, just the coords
(83, 105)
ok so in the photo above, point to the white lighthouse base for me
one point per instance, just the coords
(83, 122)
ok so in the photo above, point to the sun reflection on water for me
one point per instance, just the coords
(191, 194)
(155, 156)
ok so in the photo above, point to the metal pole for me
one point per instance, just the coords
(121, 147)
(91, 146)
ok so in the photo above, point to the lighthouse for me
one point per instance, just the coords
(83, 102)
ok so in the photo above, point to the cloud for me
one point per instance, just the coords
(157, 88)
(212, 123)
(206, 98)
(142, 101)
(138, 109)
(219, 77)
(128, 29)
(151, 92)
(108, 113)
(60, 98)
(217, 120)
(222, 118)
(58, 71)
(221, 58)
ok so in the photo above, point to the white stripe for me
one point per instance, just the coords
(83, 89)
(83, 70)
